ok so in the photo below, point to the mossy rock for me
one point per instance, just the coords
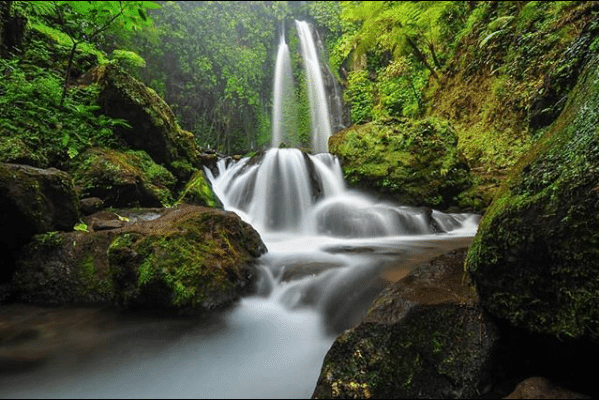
(190, 258)
(35, 200)
(32, 201)
(153, 125)
(412, 162)
(535, 258)
(123, 178)
(199, 192)
(423, 337)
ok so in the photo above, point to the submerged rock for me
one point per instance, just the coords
(410, 345)
(535, 258)
(188, 258)
(411, 162)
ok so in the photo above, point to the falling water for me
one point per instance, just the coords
(319, 110)
(284, 110)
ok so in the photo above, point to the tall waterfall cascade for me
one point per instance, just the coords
(324, 94)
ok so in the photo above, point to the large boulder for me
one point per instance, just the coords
(33, 201)
(189, 258)
(123, 178)
(424, 336)
(412, 162)
(535, 258)
(153, 127)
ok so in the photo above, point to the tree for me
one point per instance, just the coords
(85, 21)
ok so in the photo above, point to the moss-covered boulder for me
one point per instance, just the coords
(413, 162)
(123, 178)
(153, 125)
(32, 201)
(199, 192)
(535, 258)
(424, 337)
(189, 258)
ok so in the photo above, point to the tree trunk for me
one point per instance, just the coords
(421, 57)
(68, 73)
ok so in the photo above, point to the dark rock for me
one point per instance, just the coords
(541, 388)
(123, 178)
(535, 258)
(189, 258)
(411, 343)
(153, 125)
(90, 205)
(32, 201)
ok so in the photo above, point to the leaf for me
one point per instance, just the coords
(81, 227)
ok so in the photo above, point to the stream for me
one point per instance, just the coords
(329, 256)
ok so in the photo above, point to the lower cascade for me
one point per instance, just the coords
(329, 247)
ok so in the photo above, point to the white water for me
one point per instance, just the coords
(319, 109)
(283, 115)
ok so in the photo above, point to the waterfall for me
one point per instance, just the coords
(319, 109)
(284, 110)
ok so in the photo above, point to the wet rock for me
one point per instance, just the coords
(411, 344)
(123, 178)
(535, 257)
(541, 388)
(189, 258)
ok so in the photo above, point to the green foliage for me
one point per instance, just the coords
(32, 119)
(128, 60)
(359, 96)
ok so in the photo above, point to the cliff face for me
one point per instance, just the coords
(535, 258)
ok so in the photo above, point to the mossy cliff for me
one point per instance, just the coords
(190, 258)
(413, 162)
(535, 257)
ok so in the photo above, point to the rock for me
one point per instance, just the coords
(90, 205)
(32, 201)
(153, 125)
(123, 178)
(414, 163)
(535, 258)
(189, 258)
(411, 343)
(199, 192)
(541, 388)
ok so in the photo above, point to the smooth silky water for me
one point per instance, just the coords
(331, 250)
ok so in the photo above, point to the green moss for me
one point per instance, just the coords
(535, 256)
(413, 162)
(102, 172)
(198, 191)
(200, 263)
